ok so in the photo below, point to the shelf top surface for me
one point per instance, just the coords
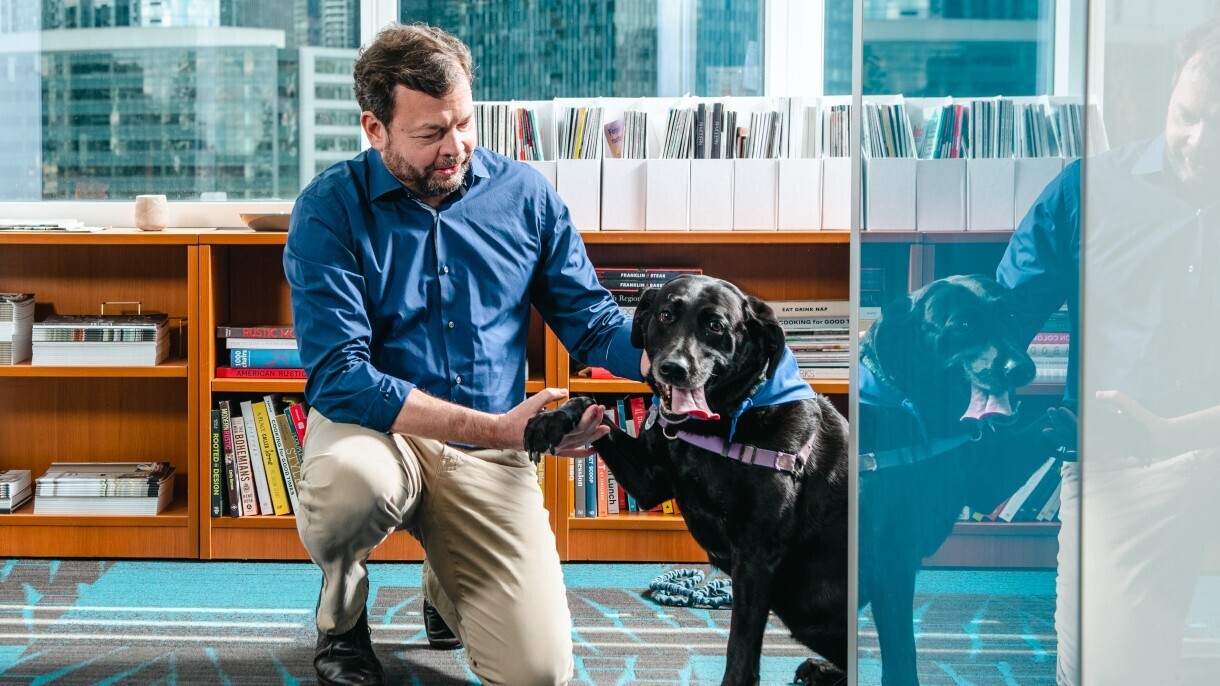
(110, 236)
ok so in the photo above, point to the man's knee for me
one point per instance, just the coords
(539, 664)
(341, 495)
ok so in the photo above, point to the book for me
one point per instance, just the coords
(281, 451)
(247, 358)
(104, 479)
(1017, 499)
(217, 489)
(259, 373)
(230, 463)
(258, 465)
(296, 452)
(260, 331)
(247, 484)
(270, 457)
(578, 495)
(262, 343)
(591, 486)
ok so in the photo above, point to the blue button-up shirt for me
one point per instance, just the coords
(389, 294)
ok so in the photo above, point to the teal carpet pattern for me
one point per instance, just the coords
(99, 622)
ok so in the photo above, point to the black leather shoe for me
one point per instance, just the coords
(440, 636)
(347, 659)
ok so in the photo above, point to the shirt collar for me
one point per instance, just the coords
(382, 182)
(1153, 159)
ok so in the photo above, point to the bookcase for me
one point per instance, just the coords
(217, 277)
(92, 414)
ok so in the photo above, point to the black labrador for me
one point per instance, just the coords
(938, 430)
(774, 516)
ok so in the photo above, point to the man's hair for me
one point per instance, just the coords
(1200, 47)
(420, 57)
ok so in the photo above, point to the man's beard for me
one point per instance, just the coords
(1194, 181)
(422, 182)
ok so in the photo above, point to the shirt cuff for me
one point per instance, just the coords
(383, 412)
(623, 359)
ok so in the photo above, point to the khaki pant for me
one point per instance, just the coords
(492, 570)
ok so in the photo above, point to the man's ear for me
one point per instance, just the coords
(641, 316)
(764, 327)
(374, 130)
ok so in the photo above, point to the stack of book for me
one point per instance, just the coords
(101, 340)
(260, 352)
(1049, 349)
(256, 456)
(15, 489)
(1037, 500)
(580, 131)
(510, 131)
(819, 334)
(16, 327)
(112, 488)
(627, 284)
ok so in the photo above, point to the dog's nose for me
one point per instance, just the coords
(673, 371)
(1020, 372)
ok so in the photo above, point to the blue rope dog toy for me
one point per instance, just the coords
(680, 588)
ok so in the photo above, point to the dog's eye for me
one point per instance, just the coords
(715, 326)
(666, 317)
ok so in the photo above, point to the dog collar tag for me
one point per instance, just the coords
(652, 418)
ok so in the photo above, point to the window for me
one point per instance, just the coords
(627, 48)
(181, 98)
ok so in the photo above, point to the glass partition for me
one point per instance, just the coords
(1150, 469)
(965, 351)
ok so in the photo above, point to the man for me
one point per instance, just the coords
(413, 268)
(1152, 246)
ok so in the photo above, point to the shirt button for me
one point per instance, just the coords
(445, 269)
(1190, 269)
(451, 325)
(458, 380)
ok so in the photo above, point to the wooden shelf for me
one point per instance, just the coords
(243, 237)
(635, 521)
(116, 236)
(1006, 529)
(1021, 545)
(1042, 388)
(715, 237)
(172, 367)
(255, 522)
(176, 515)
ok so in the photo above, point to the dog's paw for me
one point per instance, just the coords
(546, 429)
(815, 672)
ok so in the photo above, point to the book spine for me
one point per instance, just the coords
(296, 412)
(271, 462)
(226, 447)
(245, 474)
(218, 507)
(591, 486)
(255, 332)
(265, 373)
(262, 343)
(281, 452)
(603, 488)
(291, 457)
(262, 485)
(246, 358)
(578, 496)
(297, 455)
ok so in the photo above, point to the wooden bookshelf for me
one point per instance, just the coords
(999, 545)
(104, 414)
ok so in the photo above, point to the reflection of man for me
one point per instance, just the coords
(1152, 247)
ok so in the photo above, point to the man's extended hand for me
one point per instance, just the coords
(589, 429)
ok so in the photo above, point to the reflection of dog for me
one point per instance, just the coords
(938, 373)
(773, 512)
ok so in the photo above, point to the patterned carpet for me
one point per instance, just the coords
(92, 622)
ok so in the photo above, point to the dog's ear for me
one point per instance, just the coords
(893, 330)
(641, 317)
(762, 324)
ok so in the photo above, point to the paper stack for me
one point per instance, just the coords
(101, 340)
(114, 488)
(15, 489)
(16, 326)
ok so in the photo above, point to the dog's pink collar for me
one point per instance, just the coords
(741, 452)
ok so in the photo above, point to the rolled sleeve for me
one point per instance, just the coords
(331, 320)
(565, 290)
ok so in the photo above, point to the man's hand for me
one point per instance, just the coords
(588, 429)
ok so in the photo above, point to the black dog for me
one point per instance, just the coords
(939, 369)
(780, 531)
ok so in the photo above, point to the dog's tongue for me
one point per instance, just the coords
(690, 401)
(986, 406)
